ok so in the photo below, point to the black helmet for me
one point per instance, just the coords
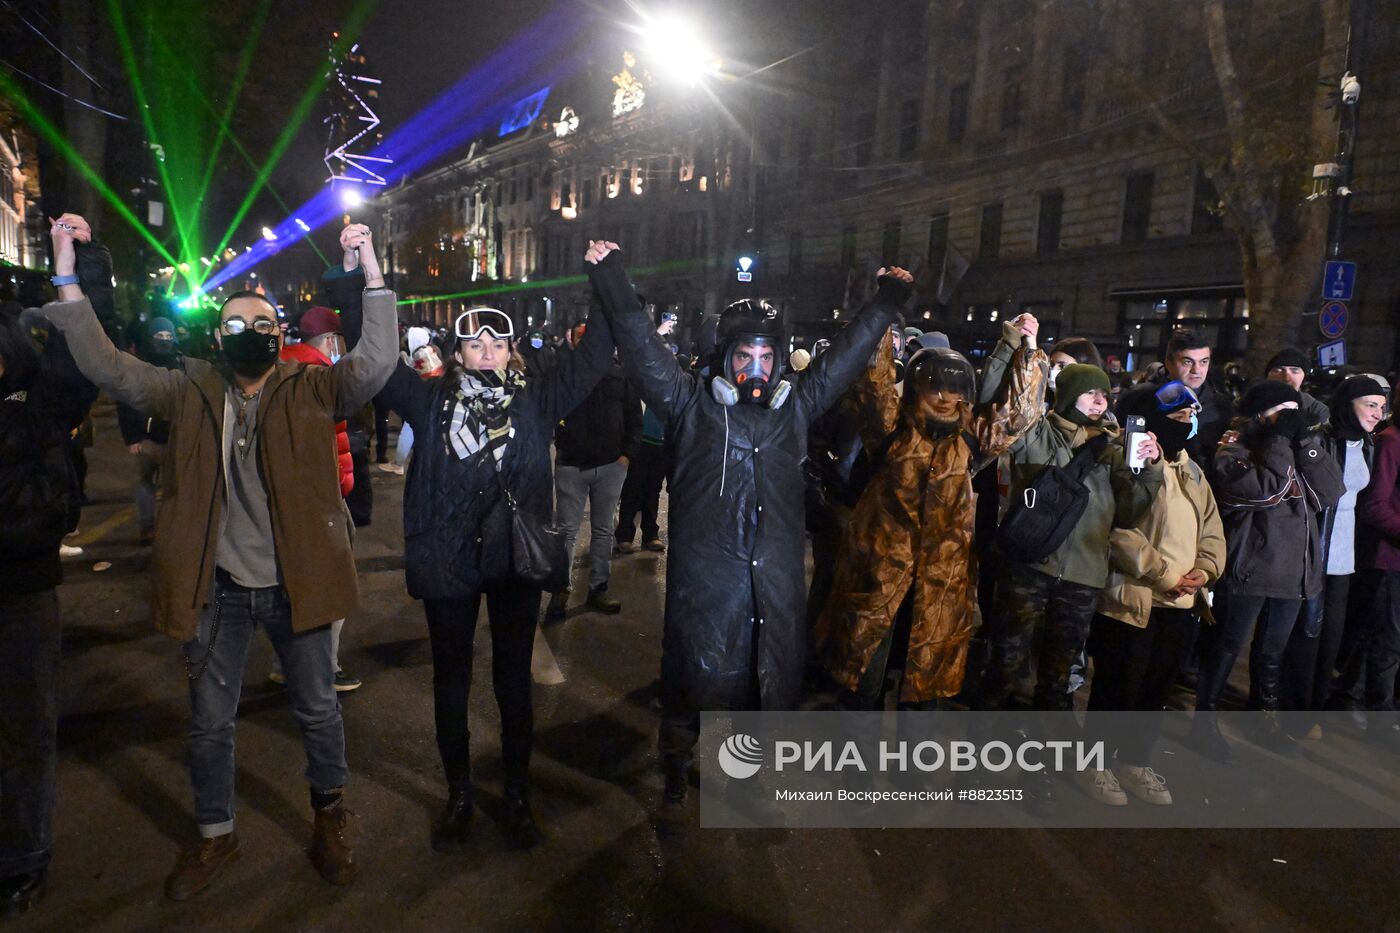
(939, 369)
(749, 317)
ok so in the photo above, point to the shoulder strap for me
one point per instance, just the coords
(1086, 456)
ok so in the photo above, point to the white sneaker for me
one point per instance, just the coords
(68, 551)
(1145, 784)
(1102, 786)
(396, 468)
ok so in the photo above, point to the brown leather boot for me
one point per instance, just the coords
(197, 868)
(332, 851)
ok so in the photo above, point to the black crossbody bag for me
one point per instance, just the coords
(1042, 517)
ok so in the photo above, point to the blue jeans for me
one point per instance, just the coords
(309, 665)
(1235, 616)
(30, 635)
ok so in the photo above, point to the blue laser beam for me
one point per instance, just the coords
(473, 107)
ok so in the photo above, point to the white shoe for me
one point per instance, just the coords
(1101, 786)
(1144, 784)
(396, 468)
(68, 551)
(277, 677)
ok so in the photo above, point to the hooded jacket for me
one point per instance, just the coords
(1271, 495)
(310, 356)
(1141, 571)
(1117, 496)
(913, 527)
(736, 583)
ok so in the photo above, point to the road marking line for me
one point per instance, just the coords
(544, 669)
(96, 532)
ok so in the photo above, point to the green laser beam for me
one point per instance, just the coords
(561, 282)
(245, 59)
(66, 149)
(143, 106)
(299, 115)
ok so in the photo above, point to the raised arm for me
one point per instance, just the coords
(359, 375)
(832, 373)
(874, 400)
(1001, 420)
(658, 377)
(568, 383)
(141, 385)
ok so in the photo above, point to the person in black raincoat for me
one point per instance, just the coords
(735, 634)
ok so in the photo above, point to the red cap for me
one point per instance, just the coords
(317, 321)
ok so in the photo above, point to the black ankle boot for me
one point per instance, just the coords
(521, 830)
(20, 893)
(454, 825)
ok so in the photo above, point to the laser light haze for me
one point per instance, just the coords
(934, 756)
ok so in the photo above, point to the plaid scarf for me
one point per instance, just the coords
(481, 413)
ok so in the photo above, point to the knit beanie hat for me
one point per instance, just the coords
(930, 340)
(1289, 356)
(1264, 395)
(1073, 381)
(159, 324)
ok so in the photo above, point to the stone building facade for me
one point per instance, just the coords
(988, 145)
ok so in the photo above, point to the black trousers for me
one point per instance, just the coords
(30, 633)
(641, 492)
(1311, 655)
(513, 611)
(1134, 671)
(1375, 657)
(381, 430)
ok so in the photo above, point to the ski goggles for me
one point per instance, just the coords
(475, 323)
(1177, 395)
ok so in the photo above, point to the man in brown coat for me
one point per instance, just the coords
(252, 531)
(912, 528)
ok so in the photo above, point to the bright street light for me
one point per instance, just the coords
(676, 47)
(268, 235)
(351, 198)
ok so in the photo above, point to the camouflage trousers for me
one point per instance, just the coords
(1028, 601)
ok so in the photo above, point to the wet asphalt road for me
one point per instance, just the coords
(124, 802)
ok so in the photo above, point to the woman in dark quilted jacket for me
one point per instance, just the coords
(42, 398)
(480, 428)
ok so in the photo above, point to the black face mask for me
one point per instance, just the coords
(162, 349)
(250, 353)
(1171, 434)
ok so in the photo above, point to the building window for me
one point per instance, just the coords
(889, 244)
(514, 190)
(1072, 83)
(1012, 90)
(865, 138)
(848, 246)
(587, 188)
(937, 239)
(908, 128)
(1206, 216)
(1137, 207)
(500, 192)
(1047, 231)
(989, 237)
(957, 113)
(529, 189)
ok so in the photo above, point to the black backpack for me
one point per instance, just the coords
(1043, 515)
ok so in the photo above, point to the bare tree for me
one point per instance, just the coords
(1270, 126)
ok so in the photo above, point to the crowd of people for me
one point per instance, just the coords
(1046, 518)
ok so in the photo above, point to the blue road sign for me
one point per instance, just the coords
(745, 276)
(1333, 354)
(1332, 319)
(1338, 281)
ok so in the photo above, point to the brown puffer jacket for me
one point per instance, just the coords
(913, 527)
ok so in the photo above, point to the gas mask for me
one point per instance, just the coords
(748, 380)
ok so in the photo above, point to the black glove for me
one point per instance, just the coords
(1293, 425)
(892, 291)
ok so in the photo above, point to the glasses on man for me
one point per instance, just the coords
(236, 325)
